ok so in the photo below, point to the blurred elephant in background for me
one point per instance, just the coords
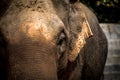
(51, 40)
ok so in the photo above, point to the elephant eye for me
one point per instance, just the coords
(61, 38)
(73, 1)
(62, 42)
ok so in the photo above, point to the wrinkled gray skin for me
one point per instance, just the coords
(51, 40)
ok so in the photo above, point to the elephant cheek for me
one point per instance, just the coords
(78, 45)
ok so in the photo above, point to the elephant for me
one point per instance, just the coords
(51, 40)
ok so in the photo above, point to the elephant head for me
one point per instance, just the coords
(38, 41)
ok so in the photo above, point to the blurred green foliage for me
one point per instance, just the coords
(106, 10)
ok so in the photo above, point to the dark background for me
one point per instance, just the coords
(107, 11)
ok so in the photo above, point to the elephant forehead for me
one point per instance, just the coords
(46, 26)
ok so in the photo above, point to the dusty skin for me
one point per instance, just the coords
(51, 40)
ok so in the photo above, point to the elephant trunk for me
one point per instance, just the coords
(31, 61)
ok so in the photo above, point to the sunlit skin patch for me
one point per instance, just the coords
(86, 27)
(81, 39)
(45, 25)
(79, 27)
(78, 45)
(30, 29)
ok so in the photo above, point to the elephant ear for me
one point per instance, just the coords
(86, 30)
(80, 31)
